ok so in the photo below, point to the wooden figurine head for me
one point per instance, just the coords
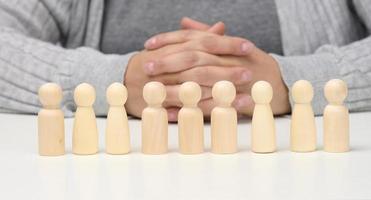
(190, 93)
(262, 92)
(302, 91)
(84, 95)
(336, 91)
(50, 95)
(223, 93)
(116, 94)
(154, 93)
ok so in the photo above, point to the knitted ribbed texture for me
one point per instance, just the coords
(30, 56)
(322, 39)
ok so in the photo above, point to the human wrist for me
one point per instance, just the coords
(281, 103)
(133, 61)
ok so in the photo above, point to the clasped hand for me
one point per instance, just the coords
(204, 55)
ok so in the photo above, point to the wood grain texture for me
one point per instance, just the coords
(263, 134)
(303, 136)
(263, 131)
(223, 130)
(85, 132)
(190, 119)
(191, 130)
(117, 131)
(154, 120)
(154, 131)
(51, 139)
(223, 119)
(117, 128)
(336, 117)
(51, 132)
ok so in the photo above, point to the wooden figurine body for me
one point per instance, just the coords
(336, 118)
(263, 134)
(117, 129)
(85, 132)
(154, 120)
(223, 119)
(190, 120)
(303, 129)
(51, 121)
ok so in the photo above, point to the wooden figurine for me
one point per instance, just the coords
(85, 132)
(263, 134)
(223, 119)
(303, 127)
(190, 120)
(154, 120)
(117, 130)
(336, 117)
(51, 121)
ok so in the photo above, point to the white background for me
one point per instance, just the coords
(245, 175)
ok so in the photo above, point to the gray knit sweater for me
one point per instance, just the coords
(56, 41)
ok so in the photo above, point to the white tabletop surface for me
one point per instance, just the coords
(244, 175)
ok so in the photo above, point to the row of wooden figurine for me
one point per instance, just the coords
(190, 120)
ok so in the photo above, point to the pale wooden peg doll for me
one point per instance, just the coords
(263, 134)
(303, 128)
(154, 120)
(223, 119)
(336, 117)
(190, 119)
(85, 132)
(51, 121)
(117, 129)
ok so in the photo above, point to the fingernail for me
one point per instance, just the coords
(149, 68)
(150, 42)
(246, 76)
(246, 46)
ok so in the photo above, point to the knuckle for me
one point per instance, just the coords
(160, 64)
(235, 75)
(190, 58)
(208, 43)
(201, 73)
(187, 34)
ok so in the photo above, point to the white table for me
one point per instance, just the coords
(245, 175)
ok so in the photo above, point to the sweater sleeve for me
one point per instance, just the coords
(345, 26)
(30, 56)
(351, 63)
